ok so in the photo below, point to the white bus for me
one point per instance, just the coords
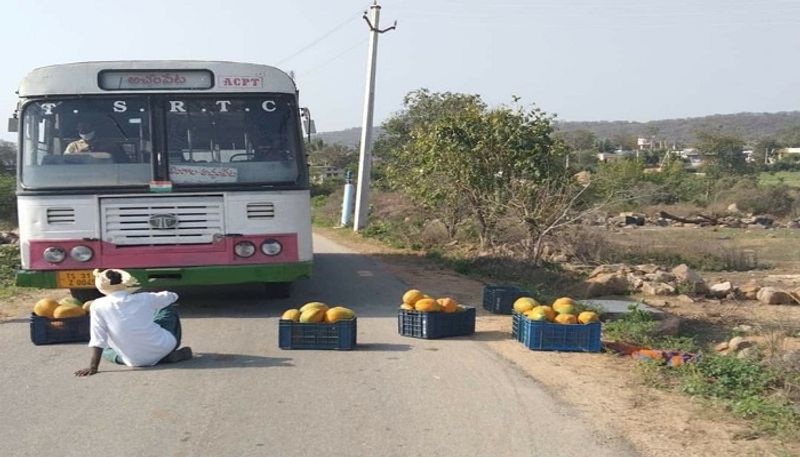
(181, 172)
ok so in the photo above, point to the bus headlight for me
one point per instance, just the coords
(271, 247)
(244, 249)
(54, 254)
(81, 253)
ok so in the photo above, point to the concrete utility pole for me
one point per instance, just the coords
(365, 154)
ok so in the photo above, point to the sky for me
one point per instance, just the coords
(582, 60)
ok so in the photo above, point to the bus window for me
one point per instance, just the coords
(252, 140)
(89, 142)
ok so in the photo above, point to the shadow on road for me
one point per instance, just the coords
(492, 335)
(387, 347)
(205, 360)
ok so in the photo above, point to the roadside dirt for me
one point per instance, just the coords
(604, 388)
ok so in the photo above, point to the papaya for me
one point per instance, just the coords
(68, 311)
(427, 305)
(406, 307)
(45, 307)
(588, 316)
(536, 315)
(412, 296)
(86, 306)
(70, 301)
(549, 313)
(312, 315)
(523, 304)
(564, 308)
(338, 313)
(291, 315)
(448, 304)
(461, 308)
(313, 305)
(566, 319)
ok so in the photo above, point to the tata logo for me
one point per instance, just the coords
(163, 221)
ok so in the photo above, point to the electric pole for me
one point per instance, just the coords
(365, 154)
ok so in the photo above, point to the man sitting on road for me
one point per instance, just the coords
(134, 329)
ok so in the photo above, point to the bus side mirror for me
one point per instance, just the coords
(13, 124)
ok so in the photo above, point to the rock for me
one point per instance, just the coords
(684, 299)
(634, 281)
(606, 284)
(685, 275)
(633, 218)
(737, 342)
(773, 296)
(663, 276)
(793, 225)
(733, 209)
(669, 326)
(792, 359)
(607, 269)
(749, 291)
(747, 353)
(720, 347)
(646, 268)
(721, 290)
(657, 288)
(743, 328)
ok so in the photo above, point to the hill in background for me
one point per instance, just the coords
(749, 126)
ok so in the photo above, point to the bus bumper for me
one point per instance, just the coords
(185, 276)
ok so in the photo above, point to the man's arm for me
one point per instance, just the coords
(93, 364)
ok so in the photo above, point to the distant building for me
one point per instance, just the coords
(788, 152)
(645, 143)
(611, 156)
(320, 173)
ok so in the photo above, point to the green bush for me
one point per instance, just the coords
(8, 199)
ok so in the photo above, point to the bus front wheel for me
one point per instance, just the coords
(84, 295)
(278, 289)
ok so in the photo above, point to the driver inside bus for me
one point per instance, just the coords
(88, 142)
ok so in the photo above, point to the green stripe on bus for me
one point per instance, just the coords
(188, 276)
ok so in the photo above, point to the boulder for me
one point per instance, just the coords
(657, 288)
(685, 275)
(721, 347)
(684, 299)
(749, 291)
(606, 284)
(747, 353)
(737, 342)
(793, 225)
(635, 282)
(647, 268)
(733, 208)
(773, 296)
(743, 328)
(720, 290)
(607, 269)
(633, 218)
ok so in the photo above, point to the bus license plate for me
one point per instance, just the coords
(74, 278)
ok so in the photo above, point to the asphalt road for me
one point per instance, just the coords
(243, 396)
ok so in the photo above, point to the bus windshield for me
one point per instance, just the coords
(211, 140)
(244, 140)
(86, 142)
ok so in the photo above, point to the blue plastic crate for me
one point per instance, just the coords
(63, 330)
(419, 324)
(547, 336)
(500, 299)
(338, 335)
(518, 329)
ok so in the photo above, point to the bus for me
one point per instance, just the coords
(181, 172)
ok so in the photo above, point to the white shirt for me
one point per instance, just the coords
(124, 322)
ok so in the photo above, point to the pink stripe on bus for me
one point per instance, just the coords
(108, 255)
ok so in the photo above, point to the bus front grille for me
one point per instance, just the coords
(163, 220)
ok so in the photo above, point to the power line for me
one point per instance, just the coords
(332, 59)
(322, 37)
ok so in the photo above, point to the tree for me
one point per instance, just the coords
(8, 155)
(487, 162)
(578, 140)
(725, 151)
(766, 148)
